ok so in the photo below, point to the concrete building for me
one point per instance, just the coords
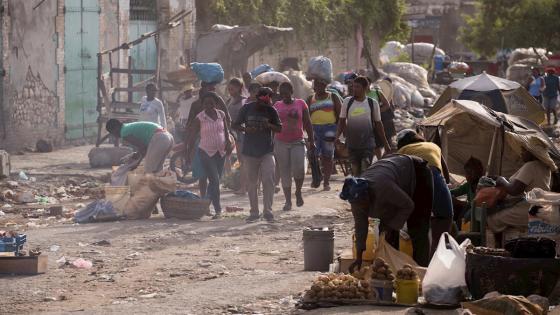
(439, 21)
(49, 63)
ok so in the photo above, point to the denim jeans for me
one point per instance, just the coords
(213, 167)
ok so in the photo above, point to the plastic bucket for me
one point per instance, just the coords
(318, 249)
(407, 291)
(383, 289)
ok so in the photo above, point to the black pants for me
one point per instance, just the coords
(419, 221)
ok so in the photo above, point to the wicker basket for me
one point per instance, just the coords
(183, 208)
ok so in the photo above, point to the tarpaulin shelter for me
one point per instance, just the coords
(467, 128)
(496, 93)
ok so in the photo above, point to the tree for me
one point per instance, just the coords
(512, 23)
(314, 20)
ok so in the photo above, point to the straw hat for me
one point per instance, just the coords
(539, 149)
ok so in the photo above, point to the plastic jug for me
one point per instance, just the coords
(371, 241)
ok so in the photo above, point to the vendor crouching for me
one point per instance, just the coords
(398, 189)
(535, 173)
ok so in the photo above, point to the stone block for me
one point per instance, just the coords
(107, 156)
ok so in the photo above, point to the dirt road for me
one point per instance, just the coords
(169, 266)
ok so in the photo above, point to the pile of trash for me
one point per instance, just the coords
(33, 202)
(408, 118)
(413, 74)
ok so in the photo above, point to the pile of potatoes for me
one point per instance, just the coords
(407, 273)
(380, 270)
(339, 287)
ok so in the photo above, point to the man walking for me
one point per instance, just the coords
(360, 120)
(550, 94)
(258, 121)
(151, 108)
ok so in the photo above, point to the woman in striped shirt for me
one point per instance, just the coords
(214, 145)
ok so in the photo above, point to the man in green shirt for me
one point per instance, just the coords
(150, 140)
(474, 170)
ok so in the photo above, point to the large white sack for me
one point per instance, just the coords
(518, 73)
(302, 87)
(525, 53)
(423, 52)
(390, 50)
(320, 67)
(412, 73)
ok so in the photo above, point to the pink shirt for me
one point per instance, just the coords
(291, 116)
(212, 133)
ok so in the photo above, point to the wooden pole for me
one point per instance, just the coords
(492, 147)
(130, 82)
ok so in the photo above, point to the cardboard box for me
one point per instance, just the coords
(23, 265)
(346, 259)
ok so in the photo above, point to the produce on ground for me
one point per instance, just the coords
(339, 287)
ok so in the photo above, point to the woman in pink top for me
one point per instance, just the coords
(289, 146)
(214, 145)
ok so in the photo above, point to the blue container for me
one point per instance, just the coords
(12, 244)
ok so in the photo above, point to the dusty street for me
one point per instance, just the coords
(161, 265)
(169, 266)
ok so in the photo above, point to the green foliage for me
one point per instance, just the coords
(316, 20)
(511, 24)
(402, 57)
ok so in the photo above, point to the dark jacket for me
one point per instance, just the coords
(392, 183)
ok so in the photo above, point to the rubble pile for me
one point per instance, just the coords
(32, 202)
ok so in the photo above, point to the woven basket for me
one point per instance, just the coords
(183, 208)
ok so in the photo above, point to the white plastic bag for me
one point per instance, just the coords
(444, 282)
(271, 76)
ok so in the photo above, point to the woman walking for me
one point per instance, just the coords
(289, 148)
(214, 145)
(324, 108)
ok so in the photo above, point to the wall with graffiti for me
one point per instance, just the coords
(31, 108)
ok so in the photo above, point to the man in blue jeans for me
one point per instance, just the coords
(550, 94)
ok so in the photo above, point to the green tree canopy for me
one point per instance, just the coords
(511, 24)
(315, 19)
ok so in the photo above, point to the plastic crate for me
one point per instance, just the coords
(12, 244)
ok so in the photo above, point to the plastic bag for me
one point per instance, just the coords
(320, 67)
(208, 72)
(99, 210)
(120, 175)
(394, 258)
(272, 76)
(261, 69)
(490, 196)
(445, 282)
